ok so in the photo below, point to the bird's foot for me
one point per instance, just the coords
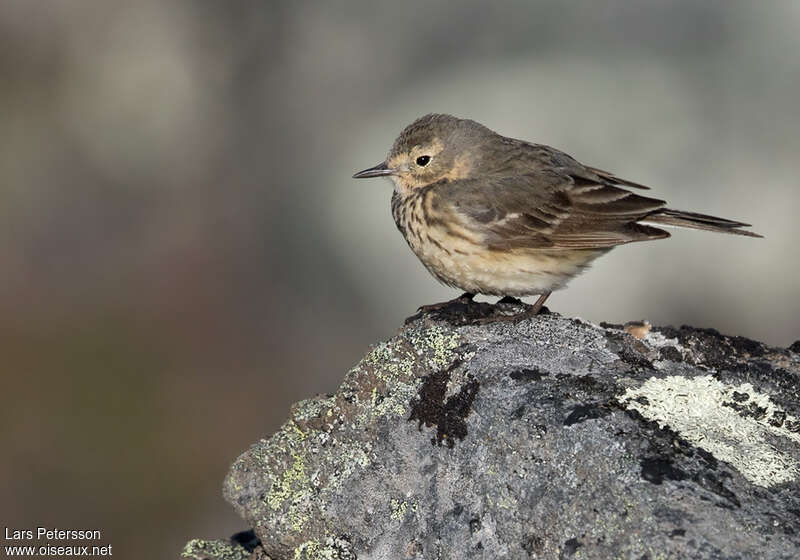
(464, 299)
(459, 308)
(533, 311)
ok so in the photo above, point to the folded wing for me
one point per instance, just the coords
(548, 208)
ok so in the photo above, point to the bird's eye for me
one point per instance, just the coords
(422, 161)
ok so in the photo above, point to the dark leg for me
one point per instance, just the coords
(537, 307)
(464, 298)
(532, 312)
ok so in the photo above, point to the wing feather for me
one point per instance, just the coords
(614, 180)
(551, 208)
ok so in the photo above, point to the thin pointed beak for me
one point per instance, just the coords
(380, 170)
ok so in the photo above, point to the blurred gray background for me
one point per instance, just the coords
(184, 253)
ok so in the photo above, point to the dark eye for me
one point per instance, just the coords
(422, 161)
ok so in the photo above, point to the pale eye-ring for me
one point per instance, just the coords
(422, 161)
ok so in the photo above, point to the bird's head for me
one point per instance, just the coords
(432, 148)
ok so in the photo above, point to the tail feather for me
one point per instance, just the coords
(694, 220)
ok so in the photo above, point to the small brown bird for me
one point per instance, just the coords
(499, 216)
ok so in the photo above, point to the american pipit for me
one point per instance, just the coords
(499, 216)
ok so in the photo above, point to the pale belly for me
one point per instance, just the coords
(458, 255)
(467, 265)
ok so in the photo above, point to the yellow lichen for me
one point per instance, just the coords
(199, 549)
(293, 477)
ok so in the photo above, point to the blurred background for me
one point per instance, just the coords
(184, 254)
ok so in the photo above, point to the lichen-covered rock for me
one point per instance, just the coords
(198, 549)
(546, 438)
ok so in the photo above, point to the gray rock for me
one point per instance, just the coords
(546, 438)
(241, 546)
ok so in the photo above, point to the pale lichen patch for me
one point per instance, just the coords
(712, 415)
(332, 548)
(199, 549)
(656, 339)
(441, 341)
(295, 475)
(399, 508)
(312, 408)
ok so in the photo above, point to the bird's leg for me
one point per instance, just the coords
(532, 312)
(465, 298)
(537, 306)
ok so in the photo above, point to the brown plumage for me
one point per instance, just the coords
(500, 216)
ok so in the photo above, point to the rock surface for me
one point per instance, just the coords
(546, 438)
